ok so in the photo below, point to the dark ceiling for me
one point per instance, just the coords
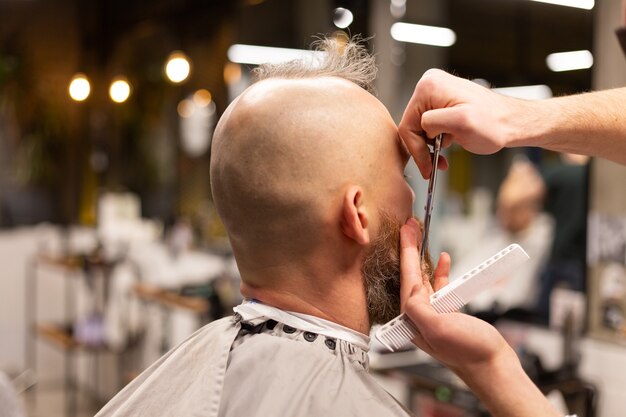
(507, 41)
(503, 41)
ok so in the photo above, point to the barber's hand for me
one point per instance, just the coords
(461, 342)
(466, 113)
(473, 349)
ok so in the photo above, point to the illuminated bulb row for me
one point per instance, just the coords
(177, 70)
(80, 88)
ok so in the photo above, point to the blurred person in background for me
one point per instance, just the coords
(307, 174)
(528, 199)
(519, 197)
(519, 219)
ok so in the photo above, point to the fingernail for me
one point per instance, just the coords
(412, 222)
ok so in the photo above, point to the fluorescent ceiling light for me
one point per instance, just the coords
(526, 92)
(256, 55)
(580, 4)
(569, 61)
(426, 35)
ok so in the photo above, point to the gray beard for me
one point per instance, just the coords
(381, 272)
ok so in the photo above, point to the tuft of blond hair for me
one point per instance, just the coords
(347, 59)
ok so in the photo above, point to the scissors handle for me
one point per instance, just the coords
(429, 199)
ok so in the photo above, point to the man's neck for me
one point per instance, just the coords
(307, 288)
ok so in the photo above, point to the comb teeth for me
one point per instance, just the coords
(448, 304)
(397, 333)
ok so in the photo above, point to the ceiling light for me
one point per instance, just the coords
(526, 92)
(232, 73)
(255, 55)
(426, 35)
(119, 90)
(397, 8)
(569, 61)
(177, 67)
(342, 18)
(580, 4)
(79, 88)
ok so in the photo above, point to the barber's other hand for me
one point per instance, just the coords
(466, 113)
(463, 343)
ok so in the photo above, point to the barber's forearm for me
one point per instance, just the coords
(590, 124)
(505, 389)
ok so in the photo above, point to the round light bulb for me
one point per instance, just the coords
(177, 68)
(119, 90)
(79, 88)
(232, 73)
(202, 98)
(342, 18)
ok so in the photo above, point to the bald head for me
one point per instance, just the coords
(284, 151)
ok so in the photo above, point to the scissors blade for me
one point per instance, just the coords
(429, 199)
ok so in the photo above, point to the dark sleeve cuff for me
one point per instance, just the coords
(621, 36)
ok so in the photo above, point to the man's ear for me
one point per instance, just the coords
(354, 220)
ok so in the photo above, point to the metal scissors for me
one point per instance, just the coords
(429, 199)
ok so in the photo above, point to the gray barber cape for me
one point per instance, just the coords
(260, 362)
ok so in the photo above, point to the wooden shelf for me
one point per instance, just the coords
(72, 262)
(171, 299)
(61, 337)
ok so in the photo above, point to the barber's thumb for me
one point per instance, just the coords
(446, 120)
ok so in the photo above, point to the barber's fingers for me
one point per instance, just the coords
(420, 341)
(411, 131)
(413, 135)
(442, 272)
(466, 125)
(410, 267)
(446, 142)
(426, 321)
(421, 153)
(449, 121)
(417, 147)
(443, 163)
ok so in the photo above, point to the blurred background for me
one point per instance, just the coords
(111, 251)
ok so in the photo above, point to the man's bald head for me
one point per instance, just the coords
(285, 149)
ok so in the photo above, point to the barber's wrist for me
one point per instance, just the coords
(505, 389)
(537, 122)
(525, 122)
(502, 362)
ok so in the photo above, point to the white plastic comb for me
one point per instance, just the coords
(399, 331)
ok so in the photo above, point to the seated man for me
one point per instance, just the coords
(307, 176)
